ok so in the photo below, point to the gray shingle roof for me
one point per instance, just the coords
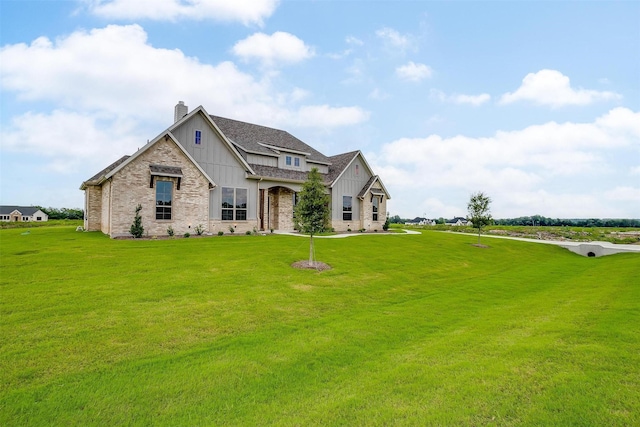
(367, 185)
(248, 136)
(94, 179)
(339, 162)
(165, 170)
(277, 173)
(24, 210)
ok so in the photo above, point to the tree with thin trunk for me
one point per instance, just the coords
(311, 214)
(479, 212)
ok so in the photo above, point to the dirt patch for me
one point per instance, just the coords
(478, 245)
(317, 265)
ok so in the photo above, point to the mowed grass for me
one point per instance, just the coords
(404, 330)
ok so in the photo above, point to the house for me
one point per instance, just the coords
(22, 214)
(458, 221)
(420, 221)
(219, 173)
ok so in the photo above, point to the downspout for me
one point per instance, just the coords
(258, 207)
(110, 205)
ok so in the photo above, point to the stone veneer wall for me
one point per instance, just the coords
(280, 209)
(105, 216)
(366, 212)
(339, 225)
(239, 227)
(285, 209)
(93, 207)
(130, 187)
(365, 220)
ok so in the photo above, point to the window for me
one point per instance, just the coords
(164, 196)
(296, 162)
(346, 208)
(357, 169)
(234, 204)
(38, 218)
(288, 160)
(375, 201)
(198, 138)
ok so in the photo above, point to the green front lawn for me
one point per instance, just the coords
(404, 330)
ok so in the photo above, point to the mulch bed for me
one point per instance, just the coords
(317, 265)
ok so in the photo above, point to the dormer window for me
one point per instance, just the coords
(198, 138)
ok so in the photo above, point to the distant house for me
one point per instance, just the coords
(22, 214)
(220, 173)
(458, 221)
(420, 221)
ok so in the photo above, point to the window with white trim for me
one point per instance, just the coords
(234, 204)
(347, 208)
(198, 138)
(296, 162)
(287, 160)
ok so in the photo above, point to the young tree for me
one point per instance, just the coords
(479, 213)
(136, 228)
(311, 214)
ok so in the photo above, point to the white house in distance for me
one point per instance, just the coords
(22, 214)
(220, 173)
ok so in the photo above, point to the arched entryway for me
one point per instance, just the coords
(276, 208)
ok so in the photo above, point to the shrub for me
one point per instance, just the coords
(170, 231)
(186, 235)
(349, 230)
(137, 230)
(220, 233)
(199, 229)
(385, 226)
(231, 229)
(248, 233)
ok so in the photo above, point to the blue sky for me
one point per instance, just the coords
(535, 103)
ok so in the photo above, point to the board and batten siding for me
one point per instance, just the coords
(218, 161)
(349, 184)
(257, 159)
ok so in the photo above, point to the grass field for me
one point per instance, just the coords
(404, 330)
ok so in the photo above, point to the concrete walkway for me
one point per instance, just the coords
(589, 249)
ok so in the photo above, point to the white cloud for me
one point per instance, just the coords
(551, 87)
(351, 41)
(394, 39)
(71, 139)
(245, 11)
(414, 72)
(626, 194)
(456, 98)
(513, 166)
(280, 47)
(111, 91)
(354, 41)
(635, 170)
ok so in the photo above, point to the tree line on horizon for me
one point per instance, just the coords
(539, 220)
(63, 213)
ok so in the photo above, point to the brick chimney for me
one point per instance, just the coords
(181, 110)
